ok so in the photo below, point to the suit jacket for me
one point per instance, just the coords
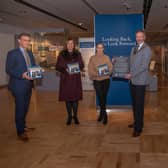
(15, 67)
(139, 65)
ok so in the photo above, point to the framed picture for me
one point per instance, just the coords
(73, 68)
(35, 72)
(103, 70)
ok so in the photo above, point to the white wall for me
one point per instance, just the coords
(5, 28)
(87, 52)
(6, 44)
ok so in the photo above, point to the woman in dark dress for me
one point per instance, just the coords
(70, 64)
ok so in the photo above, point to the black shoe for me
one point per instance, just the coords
(131, 126)
(23, 137)
(76, 121)
(100, 118)
(105, 119)
(136, 134)
(69, 121)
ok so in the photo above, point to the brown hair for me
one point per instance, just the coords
(140, 31)
(99, 43)
(24, 34)
(69, 39)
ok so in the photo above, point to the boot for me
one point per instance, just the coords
(76, 121)
(105, 118)
(69, 112)
(69, 120)
(75, 112)
(100, 116)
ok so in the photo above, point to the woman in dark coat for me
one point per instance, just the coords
(70, 89)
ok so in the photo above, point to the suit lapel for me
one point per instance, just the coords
(22, 57)
(21, 54)
(136, 51)
(30, 56)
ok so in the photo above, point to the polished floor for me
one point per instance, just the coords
(90, 145)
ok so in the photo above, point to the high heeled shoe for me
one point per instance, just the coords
(69, 121)
(76, 121)
(100, 118)
(105, 119)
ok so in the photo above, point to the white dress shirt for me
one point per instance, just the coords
(140, 45)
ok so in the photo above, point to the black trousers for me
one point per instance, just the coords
(72, 106)
(138, 97)
(22, 101)
(101, 88)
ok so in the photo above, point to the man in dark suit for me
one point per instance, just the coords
(139, 77)
(20, 84)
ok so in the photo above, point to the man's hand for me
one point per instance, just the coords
(25, 76)
(128, 76)
(113, 60)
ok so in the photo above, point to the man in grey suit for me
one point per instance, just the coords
(139, 78)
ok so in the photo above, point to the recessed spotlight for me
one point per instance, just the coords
(80, 24)
(42, 34)
(126, 4)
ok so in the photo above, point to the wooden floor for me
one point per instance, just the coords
(90, 145)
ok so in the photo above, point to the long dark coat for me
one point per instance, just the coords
(70, 88)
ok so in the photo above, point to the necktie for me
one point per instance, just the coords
(27, 58)
(136, 49)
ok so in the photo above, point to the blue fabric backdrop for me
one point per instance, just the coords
(117, 32)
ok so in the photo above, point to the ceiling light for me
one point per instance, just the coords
(80, 24)
(126, 4)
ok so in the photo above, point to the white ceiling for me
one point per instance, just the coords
(18, 14)
(117, 6)
(76, 11)
(158, 16)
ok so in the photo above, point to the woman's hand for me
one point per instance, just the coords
(113, 60)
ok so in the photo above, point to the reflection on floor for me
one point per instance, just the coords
(90, 145)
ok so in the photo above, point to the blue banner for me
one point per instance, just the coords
(88, 44)
(117, 32)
